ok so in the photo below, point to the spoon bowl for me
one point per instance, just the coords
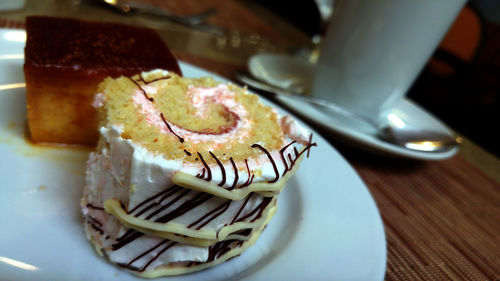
(419, 140)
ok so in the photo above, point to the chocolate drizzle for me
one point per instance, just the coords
(151, 260)
(270, 159)
(156, 204)
(202, 174)
(185, 207)
(126, 238)
(257, 212)
(288, 165)
(205, 219)
(165, 194)
(152, 81)
(209, 172)
(223, 171)
(94, 221)
(250, 177)
(159, 204)
(96, 228)
(217, 250)
(292, 160)
(136, 82)
(157, 250)
(309, 142)
(141, 89)
(95, 224)
(241, 208)
(94, 207)
(152, 100)
(157, 201)
(165, 206)
(170, 128)
(284, 159)
(235, 173)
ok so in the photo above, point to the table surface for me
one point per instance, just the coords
(441, 218)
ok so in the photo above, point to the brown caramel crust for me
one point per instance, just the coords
(109, 49)
(66, 59)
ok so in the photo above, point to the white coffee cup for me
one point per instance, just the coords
(373, 50)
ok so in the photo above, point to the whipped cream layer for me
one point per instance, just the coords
(152, 256)
(141, 184)
(131, 174)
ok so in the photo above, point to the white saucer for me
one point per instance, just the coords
(365, 138)
(282, 71)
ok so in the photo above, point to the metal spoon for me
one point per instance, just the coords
(419, 140)
(406, 137)
(130, 7)
(194, 21)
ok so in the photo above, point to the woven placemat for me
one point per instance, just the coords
(442, 219)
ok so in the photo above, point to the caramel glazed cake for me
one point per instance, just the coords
(186, 173)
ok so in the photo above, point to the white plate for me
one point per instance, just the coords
(356, 134)
(327, 226)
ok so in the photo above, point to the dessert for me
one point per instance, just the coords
(186, 173)
(66, 59)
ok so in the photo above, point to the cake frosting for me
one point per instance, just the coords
(189, 164)
(153, 256)
(121, 164)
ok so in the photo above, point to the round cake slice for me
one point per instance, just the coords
(192, 162)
